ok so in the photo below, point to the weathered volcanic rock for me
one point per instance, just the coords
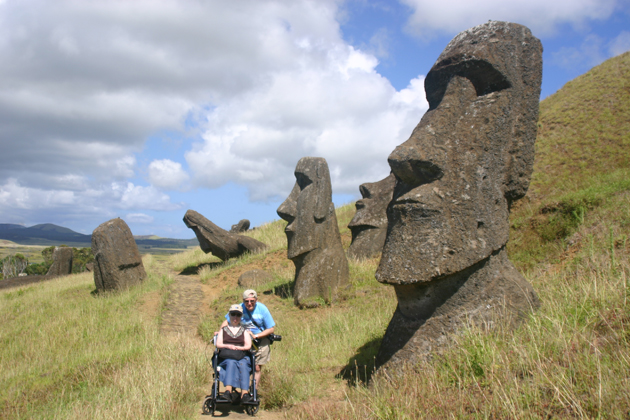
(253, 279)
(314, 243)
(466, 162)
(62, 262)
(220, 242)
(117, 262)
(369, 224)
(240, 227)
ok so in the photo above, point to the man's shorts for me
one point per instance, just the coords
(263, 354)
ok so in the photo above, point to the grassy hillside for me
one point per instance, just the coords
(582, 166)
(67, 354)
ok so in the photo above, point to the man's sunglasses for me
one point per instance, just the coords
(237, 314)
(249, 300)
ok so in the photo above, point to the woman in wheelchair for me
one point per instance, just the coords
(233, 343)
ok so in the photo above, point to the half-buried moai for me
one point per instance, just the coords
(465, 164)
(62, 262)
(240, 227)
(117, 262)
(314, 243)
(220, 242)
(369, 224)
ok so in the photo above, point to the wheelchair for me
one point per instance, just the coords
(216, 396)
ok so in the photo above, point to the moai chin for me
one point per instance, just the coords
(314, 243)
(466, 162)
(369, 224)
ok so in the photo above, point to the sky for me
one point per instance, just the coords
(144, 109)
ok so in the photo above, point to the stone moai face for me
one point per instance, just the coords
(314, 243)
(468, 159)
(307, 207)
(369, 224)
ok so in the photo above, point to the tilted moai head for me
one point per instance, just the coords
(468, 159)
(466, 162)
(313, 240)
(369, 224)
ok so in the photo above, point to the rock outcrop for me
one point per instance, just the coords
(220, 242)
(369, 224)
(466, 162)
(117, 262)
(314, 243)
(62, 262)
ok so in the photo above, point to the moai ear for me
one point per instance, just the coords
(323, 191)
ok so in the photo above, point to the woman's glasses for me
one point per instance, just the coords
(236, 314)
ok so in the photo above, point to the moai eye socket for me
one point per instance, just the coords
(484, 77)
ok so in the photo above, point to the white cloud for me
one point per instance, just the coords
(334, 106)
(79, 76)
(620, 44)
(139, 218)
(18, 202)
(166, 174)
(541, 16)
(130, 196)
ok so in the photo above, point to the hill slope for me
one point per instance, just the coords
(582, 161)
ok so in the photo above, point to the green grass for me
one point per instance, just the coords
(68, 353)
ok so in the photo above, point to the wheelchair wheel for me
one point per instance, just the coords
(252, 409)
(208, 406)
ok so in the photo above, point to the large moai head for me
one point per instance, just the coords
(369, 224)
(308, 206)
(313, 240)
(468, 159)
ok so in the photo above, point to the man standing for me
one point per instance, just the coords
(258, 320)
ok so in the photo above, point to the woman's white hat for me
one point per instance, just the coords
(236, 308)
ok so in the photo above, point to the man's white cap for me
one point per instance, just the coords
(249, 293)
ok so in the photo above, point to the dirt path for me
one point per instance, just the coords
(187, 302)
(183, 309)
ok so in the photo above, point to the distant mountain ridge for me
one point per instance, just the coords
(43, 234)
(50, 234)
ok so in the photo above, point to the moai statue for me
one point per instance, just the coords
(240, 227)
(117, 262)
(466, 162)
(62, 262)
(220, 242)
(369, 224)
(314, 243)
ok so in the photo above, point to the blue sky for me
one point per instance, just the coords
(144, 109)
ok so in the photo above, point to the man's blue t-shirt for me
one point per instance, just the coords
(261, 315)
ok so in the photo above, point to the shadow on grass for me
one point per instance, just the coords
(360, 367)
(283, 290)
(190, 271)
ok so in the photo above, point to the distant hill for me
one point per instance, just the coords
(8, 226)
(48, 234)
(44, 234)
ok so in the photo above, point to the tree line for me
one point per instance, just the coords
(14, 265)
